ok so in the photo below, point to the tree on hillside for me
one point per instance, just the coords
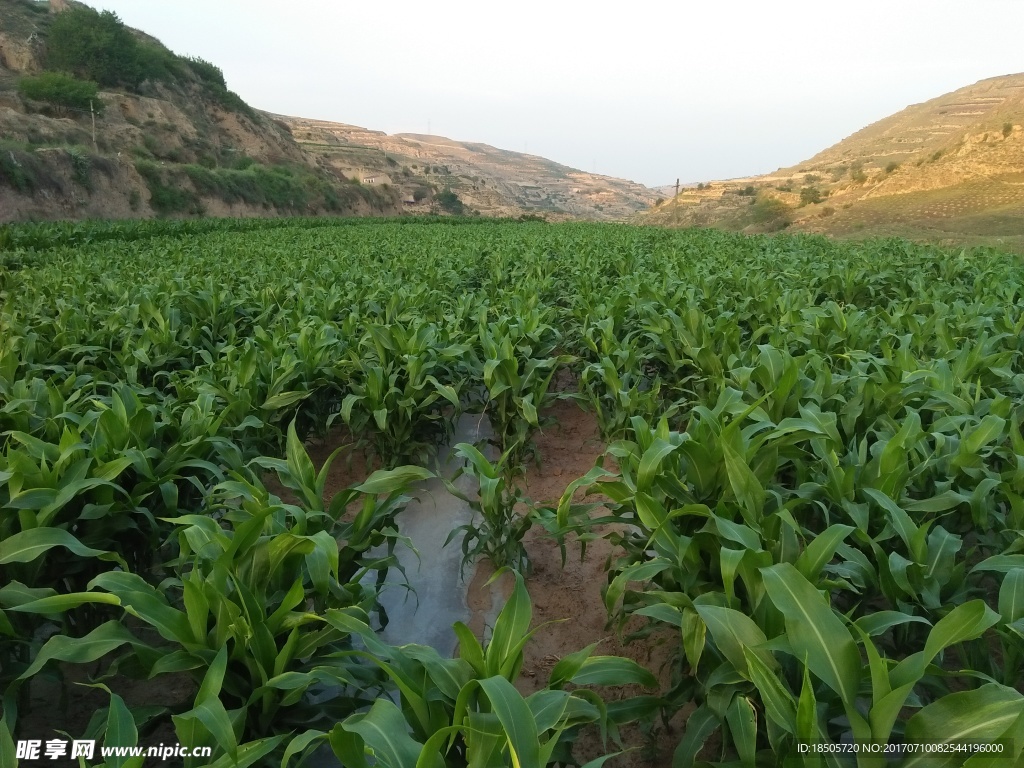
(810, 195)
(94, 45)
(60, 91)
(770, 212)
(450, 202)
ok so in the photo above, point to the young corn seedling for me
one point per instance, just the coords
(397, 401)
(497, 533)
(515, 371)
(466, 710)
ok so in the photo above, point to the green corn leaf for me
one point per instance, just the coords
(650, 463)
(734, 633)
(548, 708)
(814, 630)
(990, 428)
(821, 550)
(876, 623)
(1000, 563)
(470, 649)
(8, 753)
(26, 546)
(1011, 596)
(980, 715)
(298, 745)
(59, 603)
(385, 732)
(806, 711)
(701, 723)
(516, 719)
(121, 731)
(694, 635)
(779, 705)
(569, 665)
(965, 622)
(742, 719)
(388, 481)
(83, 650)
(510, 628)
(208, 709)
(612, 670)
(745, 485)
(248, 754)
(145, 602)
(634, 572)
(283, 400)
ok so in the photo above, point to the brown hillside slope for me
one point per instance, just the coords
(950, 170)
(181, 143)
(495, 182)
(177, 144)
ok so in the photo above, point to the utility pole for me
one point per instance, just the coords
(677, 187)
(93, 113)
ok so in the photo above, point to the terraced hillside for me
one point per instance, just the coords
(950, 169)
(496, 182)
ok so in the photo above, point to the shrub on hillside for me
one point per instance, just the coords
(1007, 129)
(99, 47)
(450, 202)
(60, 91)
(94, 45)
(206, 71)
(892, 166)
(770, 212)
(857, 174)
(810, 195)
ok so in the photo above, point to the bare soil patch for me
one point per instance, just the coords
(570, 598)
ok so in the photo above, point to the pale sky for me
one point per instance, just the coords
(648, 91)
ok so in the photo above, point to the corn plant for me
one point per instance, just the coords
(517, 362)
(396, 398)
(466, 711)
(498, 528)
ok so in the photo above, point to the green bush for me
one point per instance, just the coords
(1007, 129)
(770, 212)
(61, 91)
(450, 202)
(15, 172)
(99, 47)
(81, 163)
(94, 45)
(206, 71)
(166, 198)
(857, 174)
(892, 166)
(810, 195)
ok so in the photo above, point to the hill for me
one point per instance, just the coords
(495, 182)
(102, 121)
(950, 169)
(130, 129)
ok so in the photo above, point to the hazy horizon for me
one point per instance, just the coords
(654, 94)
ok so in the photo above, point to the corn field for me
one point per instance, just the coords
(814, 463)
